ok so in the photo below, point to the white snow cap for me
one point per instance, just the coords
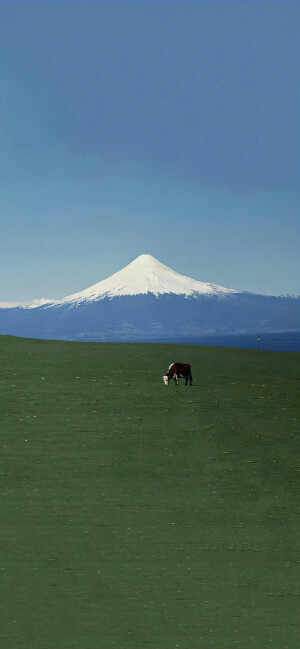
(145, 275)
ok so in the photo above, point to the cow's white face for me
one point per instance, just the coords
(166, 380)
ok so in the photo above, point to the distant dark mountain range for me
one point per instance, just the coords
(147, 301)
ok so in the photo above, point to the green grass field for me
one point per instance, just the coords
(137, 515)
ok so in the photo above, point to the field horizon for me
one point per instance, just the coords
(137, 515)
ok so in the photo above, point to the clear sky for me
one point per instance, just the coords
(162, 127)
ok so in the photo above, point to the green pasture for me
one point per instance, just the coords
(135, 515)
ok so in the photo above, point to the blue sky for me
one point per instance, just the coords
(169, 128)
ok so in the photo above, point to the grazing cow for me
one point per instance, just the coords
(178, 371)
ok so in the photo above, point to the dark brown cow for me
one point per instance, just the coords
(177, 371)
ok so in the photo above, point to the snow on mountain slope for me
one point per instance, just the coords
(26, 305)
(37, 302)
(144, 275)
(11, 305)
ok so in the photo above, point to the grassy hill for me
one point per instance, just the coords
(137, 515)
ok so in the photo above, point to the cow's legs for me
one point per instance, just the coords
(191, 379)
(186, 380)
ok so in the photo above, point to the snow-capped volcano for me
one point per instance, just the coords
(149, 302)
(145, 275)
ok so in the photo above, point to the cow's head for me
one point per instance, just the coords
(166, 379)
